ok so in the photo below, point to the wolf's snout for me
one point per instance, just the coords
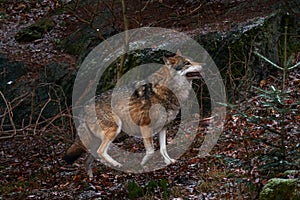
(195, 71)
(192, 74)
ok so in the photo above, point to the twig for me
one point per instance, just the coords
(50, 121)
(146, 5)
(123, 58)
(10, 114)
(58, 100)
(40, 114)
(111, 9)
(41, 121)
(16, 105)
(197, 8)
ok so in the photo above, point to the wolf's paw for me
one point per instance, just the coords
(169, 161)
(147, 157)
(116, 164)
(143, 161)
(111, 162)
(90, 174)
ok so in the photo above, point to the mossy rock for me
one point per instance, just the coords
(232, 51)
(293, 173)
(78, 42)
(281, 189)
(35, 31)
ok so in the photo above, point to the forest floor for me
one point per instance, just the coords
(31, 164)
(237, 167)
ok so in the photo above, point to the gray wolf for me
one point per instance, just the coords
(176, 71)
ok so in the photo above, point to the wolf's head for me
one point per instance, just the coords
(184, 66)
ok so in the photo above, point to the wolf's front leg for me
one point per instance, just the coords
(163, 147)
(102, 152)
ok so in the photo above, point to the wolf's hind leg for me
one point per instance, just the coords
(148, 142)
(102, 152)
(88, 165)
(163, 147)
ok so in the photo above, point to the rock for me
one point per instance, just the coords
(29, 97)
(87, 36)
(56, 83)
(15, 89)
(55, 73)
(9, 72)
(35, 31)
(279, 189)
(78, 42)
(232, 51)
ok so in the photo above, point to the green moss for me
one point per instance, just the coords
(134, 190)
(291, 173)
(279, 189)
(35, 31)
(77, 43)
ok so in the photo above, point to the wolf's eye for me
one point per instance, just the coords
(187, 63)
(180, 66)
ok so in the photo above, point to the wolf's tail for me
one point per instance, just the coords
(74, 151)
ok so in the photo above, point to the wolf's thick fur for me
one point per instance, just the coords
(145, 116)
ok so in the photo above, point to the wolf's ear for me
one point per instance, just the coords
(166, 60)
(178, 53)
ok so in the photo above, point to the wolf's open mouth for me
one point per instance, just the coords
(193, 75)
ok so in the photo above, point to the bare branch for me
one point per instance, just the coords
(10, 114)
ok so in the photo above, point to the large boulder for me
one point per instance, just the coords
(43, 96)
(15, 90)
(233, 51)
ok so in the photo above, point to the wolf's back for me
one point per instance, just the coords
(74, 151)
